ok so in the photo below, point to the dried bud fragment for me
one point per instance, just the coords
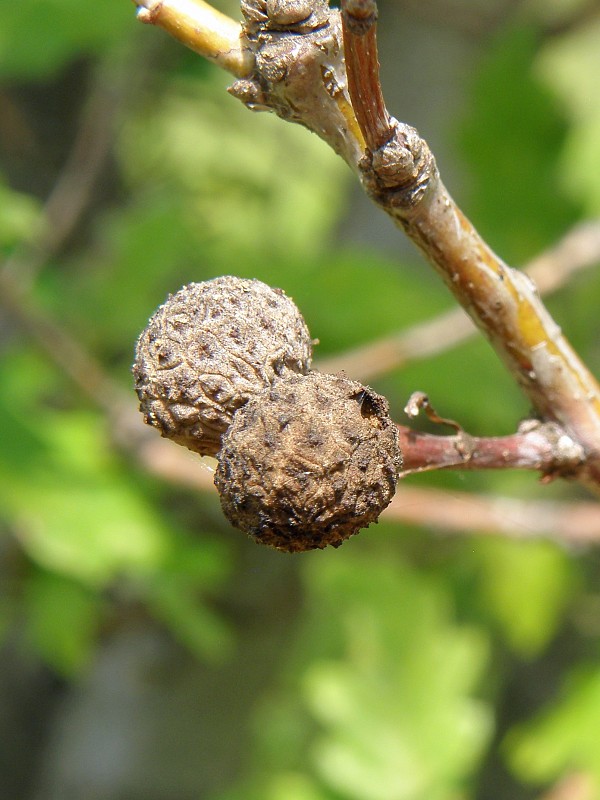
(208, 349)
(309, 462)
(284, 15)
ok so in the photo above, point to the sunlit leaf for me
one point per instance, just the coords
(73, 512)
(565, 737)
(39, 36)
(512, 139)
(525, 586)
(398, 715)
(569, 66)
(19, 216)
(280, 193)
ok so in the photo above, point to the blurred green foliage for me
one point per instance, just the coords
(569, 67)
(565, 736)
(406, 649)
(38, 37)
(513, 174)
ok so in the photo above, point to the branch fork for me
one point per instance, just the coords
(201, 28)
(319, 67)
(299, 70)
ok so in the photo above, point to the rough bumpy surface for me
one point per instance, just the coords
(208, 349)
(309, 462)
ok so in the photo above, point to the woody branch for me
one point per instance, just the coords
(319, 68)
(401, 176)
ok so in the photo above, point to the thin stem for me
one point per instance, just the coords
(569, 524)
(60, 347)
(543, 447)
(203, 29)
(359, 26)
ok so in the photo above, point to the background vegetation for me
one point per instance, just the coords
(149, 651)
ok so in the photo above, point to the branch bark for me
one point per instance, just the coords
(401, 176)
(201, 28)
(317, 68)
(536, 446)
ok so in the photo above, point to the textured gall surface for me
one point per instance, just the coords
(309, 462)
(208, 349)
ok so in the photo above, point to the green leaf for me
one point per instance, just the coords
(351, 297)
(525, 586)
(62, 620)
(75, 511)
(569, 66)
(564, 738)
(278, 189)
(146, 255)
(512, 140)
(19, 216)
(398, 716)
(39, 36)
(85, 521)
(176, 595)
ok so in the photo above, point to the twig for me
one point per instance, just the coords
(362, 68)
(401, 176)
(299, 74)
(426, 339)
(201, 28)
(61, 348)
(544, 447)
(579, 249)
(569, 524)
